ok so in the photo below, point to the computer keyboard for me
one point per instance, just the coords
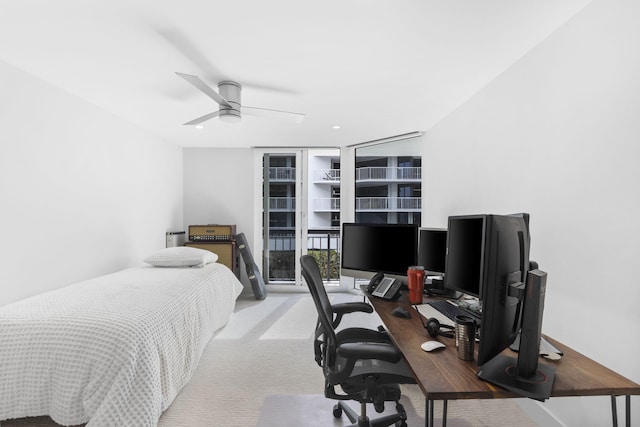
(451, 310)
(429, 312)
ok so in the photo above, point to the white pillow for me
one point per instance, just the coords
(181, 256)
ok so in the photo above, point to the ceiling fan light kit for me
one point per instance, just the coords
(229, 99)
(230, 116)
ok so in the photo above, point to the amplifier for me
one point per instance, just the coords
(212, 233)
(226, 252)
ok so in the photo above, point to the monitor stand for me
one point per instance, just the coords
(545, 346)
(501, 371)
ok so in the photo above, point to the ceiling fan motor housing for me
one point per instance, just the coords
(231, 92)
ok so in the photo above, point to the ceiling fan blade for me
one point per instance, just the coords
(277, 114)
(189, 49)
(194, 80)
(202, 119)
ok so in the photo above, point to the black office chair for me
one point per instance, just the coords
(363, 362)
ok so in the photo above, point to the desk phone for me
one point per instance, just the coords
(384, 287)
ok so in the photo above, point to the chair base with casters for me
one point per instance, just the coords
(392, 394)
(369, 381)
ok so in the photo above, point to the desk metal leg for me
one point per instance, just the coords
(614, 410)
(429, 419)
(444, 413)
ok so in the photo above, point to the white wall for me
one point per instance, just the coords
(557, 135)
(83, 192)
(218, 189)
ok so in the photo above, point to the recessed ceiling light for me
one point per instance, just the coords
(336, 126)
(199, 127)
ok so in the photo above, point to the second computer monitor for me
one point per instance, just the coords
(465, 249)
(432, 249)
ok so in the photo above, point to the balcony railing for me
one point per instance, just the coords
(282, 174)
(326, 175)
(323, 245)
(376, 204)
(332, 204)
(388, 204)
(328, 204)
(389, 174)
(281, 258)
(281, 204)
(404, 174)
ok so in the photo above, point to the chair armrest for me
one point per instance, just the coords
(341, 309)
(366, 350)
(361, 335)
(351, 307)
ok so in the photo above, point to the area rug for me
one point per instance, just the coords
(317, 411)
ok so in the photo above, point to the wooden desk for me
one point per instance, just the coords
(442, 376)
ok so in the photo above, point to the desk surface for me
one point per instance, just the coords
(442, 376)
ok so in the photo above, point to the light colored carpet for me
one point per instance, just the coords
(316, 411)
(263, 360)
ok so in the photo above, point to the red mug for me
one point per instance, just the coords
(415, 283)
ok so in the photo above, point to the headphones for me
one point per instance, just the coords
(434, 328)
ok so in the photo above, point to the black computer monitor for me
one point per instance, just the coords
(465, 248)
(507, 288)
(505, 263)
(371, 248)
(466, 245)
(432, 249)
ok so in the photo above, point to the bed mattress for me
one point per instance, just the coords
(114, 350)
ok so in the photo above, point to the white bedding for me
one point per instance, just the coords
(114, 350)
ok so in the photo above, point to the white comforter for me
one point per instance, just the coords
(114, 350)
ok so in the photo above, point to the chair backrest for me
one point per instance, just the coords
(311, 274)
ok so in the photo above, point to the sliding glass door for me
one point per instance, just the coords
(300, 212)
(281, 216)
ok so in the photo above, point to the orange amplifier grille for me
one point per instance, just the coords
(212, 233)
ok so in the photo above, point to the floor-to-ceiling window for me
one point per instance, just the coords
(384, 185)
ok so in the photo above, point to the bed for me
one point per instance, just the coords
(114, 350)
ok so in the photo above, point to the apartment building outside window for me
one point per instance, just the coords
(388, 189)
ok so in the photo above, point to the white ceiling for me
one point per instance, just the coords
(377, 68)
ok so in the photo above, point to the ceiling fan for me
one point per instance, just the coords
(231, 108)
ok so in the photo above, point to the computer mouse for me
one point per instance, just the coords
(401, 312)
(432, 345)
